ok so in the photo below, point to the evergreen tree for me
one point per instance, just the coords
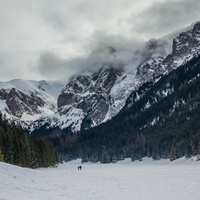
(198, 153)
(188, 151)
(1, 156)
(194, 145)
(172, 154)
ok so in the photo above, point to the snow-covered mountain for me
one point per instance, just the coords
(93, 98)
(101, 90)
(24, 100)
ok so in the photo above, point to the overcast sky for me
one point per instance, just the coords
(49, 39)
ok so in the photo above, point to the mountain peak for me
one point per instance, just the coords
(196, 28)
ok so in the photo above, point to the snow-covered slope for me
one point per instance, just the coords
(24, 100)
(153, 180)
(98, 93)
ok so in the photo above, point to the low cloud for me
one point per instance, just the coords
(162, 18)
(103, 49)
(53, 67)
(114, 50)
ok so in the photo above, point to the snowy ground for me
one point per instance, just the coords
(152, 180)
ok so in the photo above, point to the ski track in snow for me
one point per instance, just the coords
(152, 180)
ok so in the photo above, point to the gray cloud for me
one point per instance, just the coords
(165, 17)
(107, 49)
(53, 67)
(155, 20)
(51, 39)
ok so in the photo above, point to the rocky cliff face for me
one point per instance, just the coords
(88, 96)
(19, 103)
(100, 92)
(185, 46)
(94, 98)
(27, 101)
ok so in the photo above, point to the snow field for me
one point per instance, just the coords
(152, 180)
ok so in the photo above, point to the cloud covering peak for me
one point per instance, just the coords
(44, 39)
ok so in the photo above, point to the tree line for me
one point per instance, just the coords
(19, 148)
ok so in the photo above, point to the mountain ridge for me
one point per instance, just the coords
(97, 94)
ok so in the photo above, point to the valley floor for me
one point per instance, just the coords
(152, 180)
